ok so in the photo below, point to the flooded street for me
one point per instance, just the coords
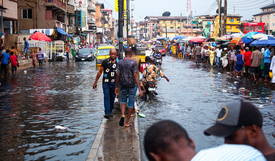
(194, 96)
(32, 104)
(61, 94)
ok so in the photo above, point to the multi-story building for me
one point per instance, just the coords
(170, 26)
(267, 16)
(10, 16)
(91, 20)
(233, 24)
(98, 22)
(108, 23)
(45, 14)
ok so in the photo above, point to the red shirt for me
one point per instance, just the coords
(247, 58)
(13, 59)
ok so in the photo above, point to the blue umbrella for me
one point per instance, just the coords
(268, 40)
(247, 40)
(179, 36)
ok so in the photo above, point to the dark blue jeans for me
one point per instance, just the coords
(267, 66)
(109, 96)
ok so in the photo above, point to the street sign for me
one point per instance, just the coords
(116, 5)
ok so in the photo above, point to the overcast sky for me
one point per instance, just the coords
(143, 8)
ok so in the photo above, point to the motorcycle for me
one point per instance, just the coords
(158, 60)
(150, 90)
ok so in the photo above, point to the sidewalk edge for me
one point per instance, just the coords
(137, 142)
(95, 146)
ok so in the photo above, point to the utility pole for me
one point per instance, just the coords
(220, 18)
(66, 16)
(191, 23)
(127, 15)
(225, 17)
(175, 28)
(180, 22)
(166, 28)
(120, 26)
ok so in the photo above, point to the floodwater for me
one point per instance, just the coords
(194, 96)
(32, 104)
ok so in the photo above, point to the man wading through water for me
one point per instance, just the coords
(127, 78)
(108, 83)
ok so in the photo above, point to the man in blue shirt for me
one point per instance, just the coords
(4, 63)
(26, 47)
(267, 62)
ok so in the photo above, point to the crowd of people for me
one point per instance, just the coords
(241, 61)
(239, 123)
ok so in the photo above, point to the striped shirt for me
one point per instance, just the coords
(230, 152)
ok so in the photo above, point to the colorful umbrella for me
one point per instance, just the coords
(196, 40)
(247, 40)
(250, 34)
(40, 37)
(225, 37)
(237, 35)
(268, 40)
(257, 36)
(179, 36)
(237, 41)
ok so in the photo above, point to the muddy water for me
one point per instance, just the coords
(194, 96)
(32, 104)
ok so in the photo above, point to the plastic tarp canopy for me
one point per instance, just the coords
(61, 31)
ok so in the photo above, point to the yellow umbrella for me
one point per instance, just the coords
(257, 36)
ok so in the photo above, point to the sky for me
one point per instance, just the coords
(143, 8)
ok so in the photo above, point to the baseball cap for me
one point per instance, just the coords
(247, 48)
(234, 116)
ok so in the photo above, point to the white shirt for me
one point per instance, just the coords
(219, 52)
(230, 152)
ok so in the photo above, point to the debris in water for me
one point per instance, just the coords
(242, 88)
(67, 76)
(219, 73)
(141, 115)
(224, 91)
(60, 128)
(261, 107)
(235, 82)
(250, 93)
(25, 72)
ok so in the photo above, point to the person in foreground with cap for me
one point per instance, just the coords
(167, 141)
(241, 122)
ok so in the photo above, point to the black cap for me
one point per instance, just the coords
(234, 116)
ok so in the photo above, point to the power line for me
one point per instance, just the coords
(211, 7)
(110, 5)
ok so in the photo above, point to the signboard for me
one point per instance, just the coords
(254, 24)
(116, 5)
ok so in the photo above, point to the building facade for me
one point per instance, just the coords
(170, 26)
(267, 16)
(233, 24)
(10, 16)
(45, 14)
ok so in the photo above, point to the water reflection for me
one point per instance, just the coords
(193, 98)
(32, 104)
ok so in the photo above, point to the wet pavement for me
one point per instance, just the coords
(32, 104)
(119, 143)
(193, 98)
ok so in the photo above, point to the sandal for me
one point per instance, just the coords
(121, 122)
(129, 125)
(133, 115)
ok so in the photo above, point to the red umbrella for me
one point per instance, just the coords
(196, 40)
(40, 37)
